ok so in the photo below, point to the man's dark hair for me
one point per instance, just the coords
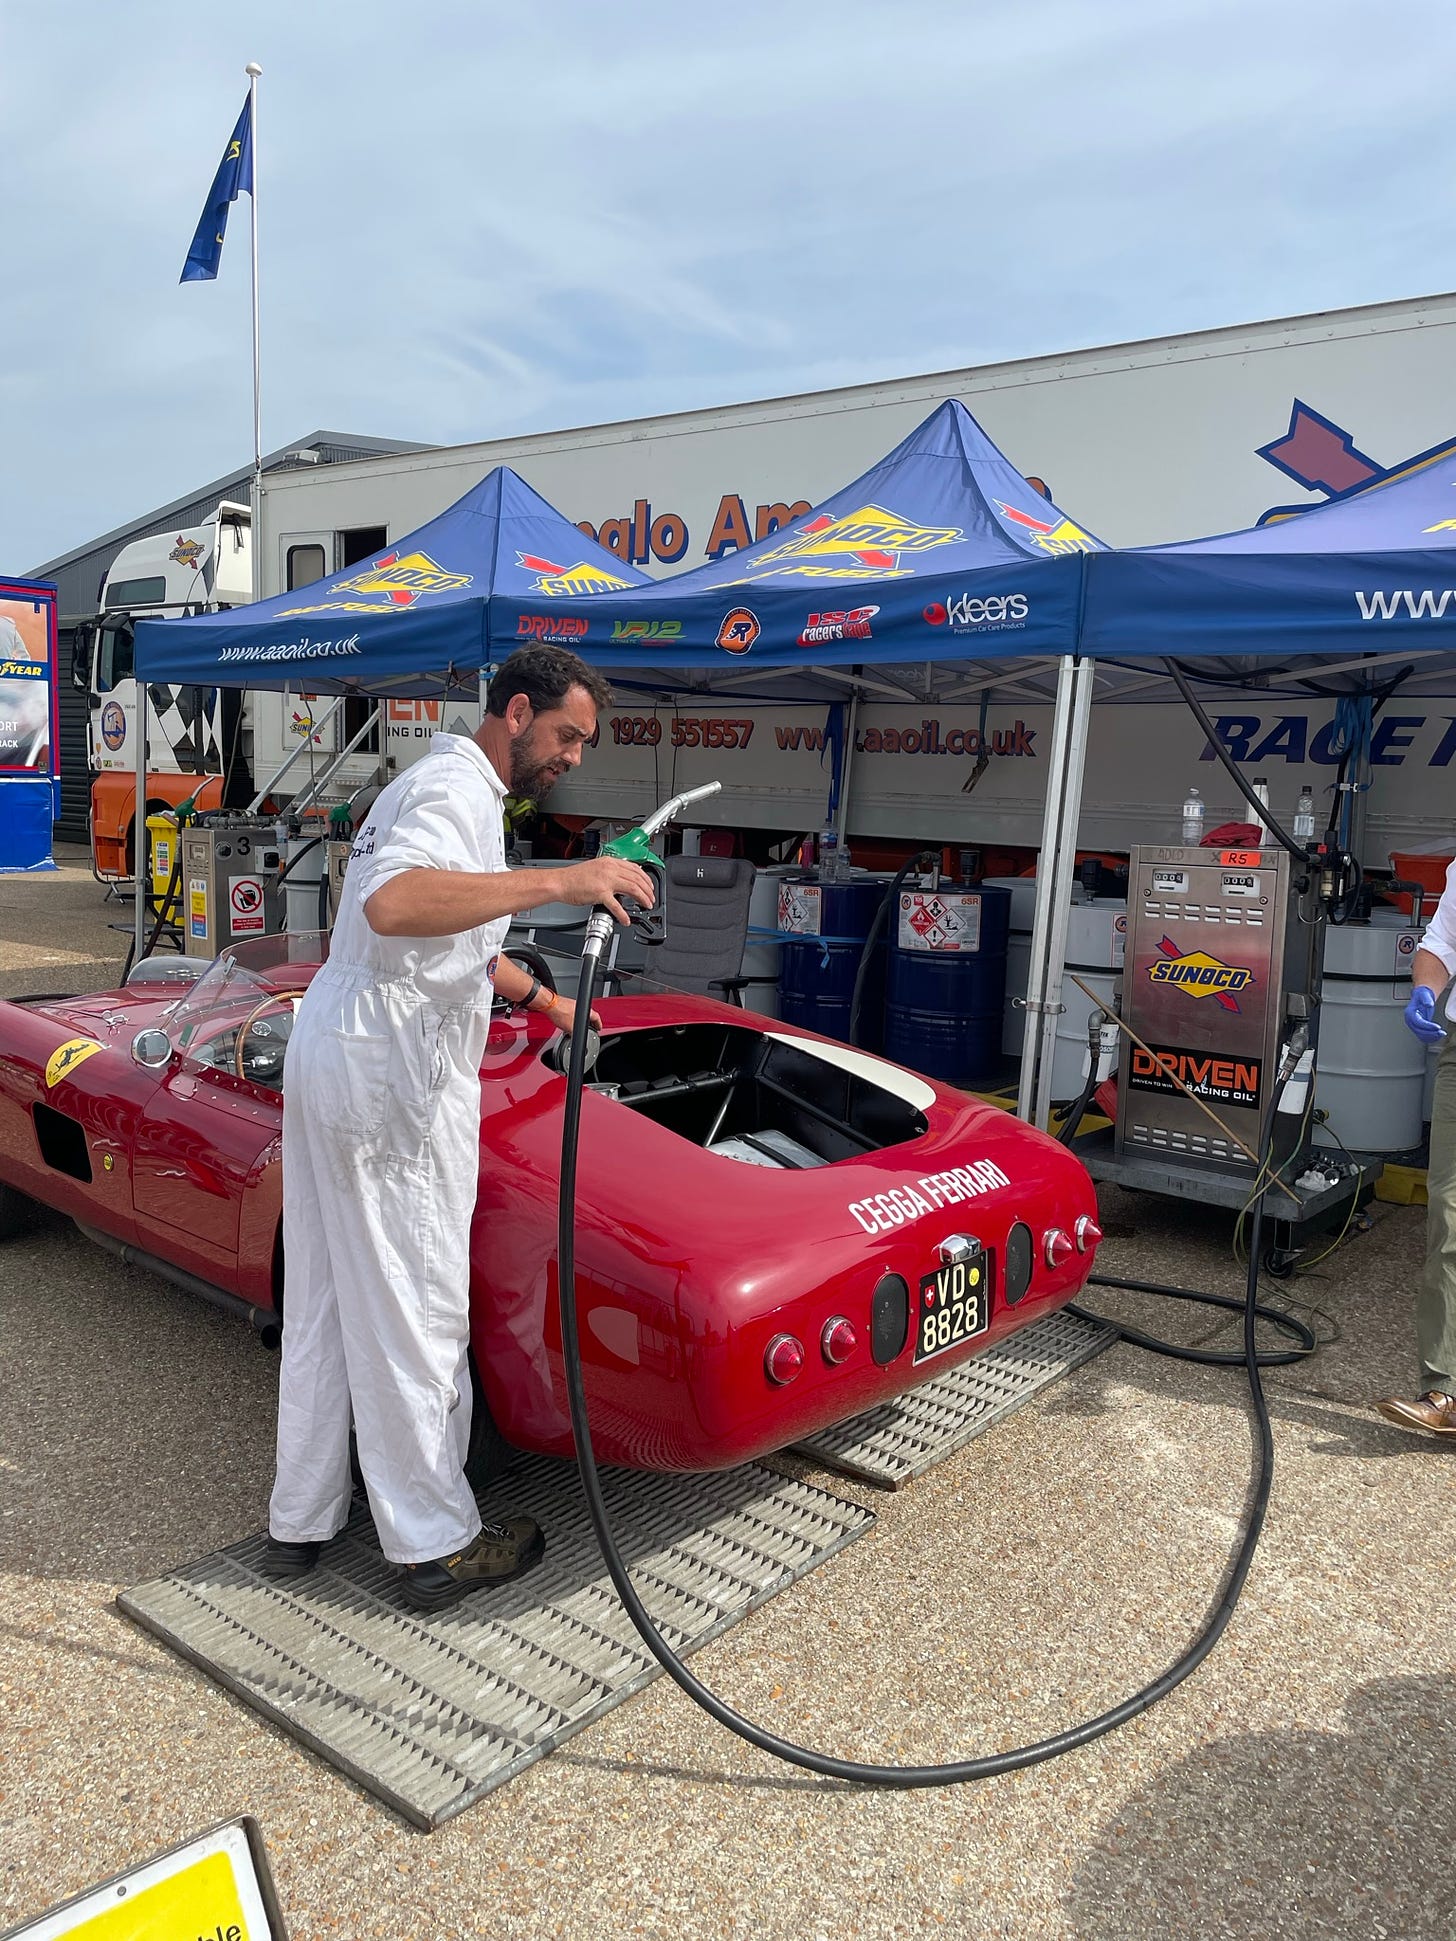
(544, 675)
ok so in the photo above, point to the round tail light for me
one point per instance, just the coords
(838, 1340)
(1087, 1233)
(783, 1359)
(1056, 1246)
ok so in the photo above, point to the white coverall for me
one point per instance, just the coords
(381, 1151)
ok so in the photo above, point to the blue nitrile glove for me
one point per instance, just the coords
(1420, 1015)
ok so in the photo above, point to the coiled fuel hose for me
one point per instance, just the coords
(956, 1772)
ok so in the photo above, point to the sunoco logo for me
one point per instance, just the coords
(1199, 975)
(1059, 536)
(870, 540)
(581, 578)
(391, 585)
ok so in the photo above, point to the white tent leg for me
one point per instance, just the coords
(140, 845)
(1054, 879)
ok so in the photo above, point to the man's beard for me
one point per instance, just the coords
(531, 777)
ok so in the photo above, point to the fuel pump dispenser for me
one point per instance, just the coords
(230, 890)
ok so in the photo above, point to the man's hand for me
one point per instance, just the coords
(563, 1015)
(1420, 1016)
(603, 880)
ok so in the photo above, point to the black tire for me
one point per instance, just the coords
(489, 1454)
(1278, 1264)
(17, 1212)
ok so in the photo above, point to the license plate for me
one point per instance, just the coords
(955, 1305)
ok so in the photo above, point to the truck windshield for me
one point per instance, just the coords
(137, 593)
(113, 655)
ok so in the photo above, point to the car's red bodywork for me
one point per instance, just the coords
(689, 1263)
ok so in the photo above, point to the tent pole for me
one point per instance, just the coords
(1054, 878)
(140, 845)
(851, 723)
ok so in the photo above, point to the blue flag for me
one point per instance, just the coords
(234, 175)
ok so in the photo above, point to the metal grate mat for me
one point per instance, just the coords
(892, 1444)
(431, 1712)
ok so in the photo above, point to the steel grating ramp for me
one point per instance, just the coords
(892, 1444)
(429, 1713)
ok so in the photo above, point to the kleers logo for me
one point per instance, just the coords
(966, 614)
(1406, 604)
(1063, 537)
(647, 630)
(581, 578)
(392, 585)
(739, 630)
(186, 552)
(852, 624)
(549, 626)
(868, 541)
(65, 1058)
(1200, 975)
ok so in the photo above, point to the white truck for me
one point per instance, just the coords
(1141, 443)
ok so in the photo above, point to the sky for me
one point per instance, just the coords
(479, 220)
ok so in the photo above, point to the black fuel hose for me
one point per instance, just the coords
(855, 1771)
(1261, 809)
(872, 938)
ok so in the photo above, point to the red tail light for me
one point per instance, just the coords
(1056, 1246)
(1087, 1233)
(783, 1359)
(838, 1340)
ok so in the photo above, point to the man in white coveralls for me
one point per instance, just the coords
(381, 1139)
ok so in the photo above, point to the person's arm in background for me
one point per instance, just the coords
(1433, 965)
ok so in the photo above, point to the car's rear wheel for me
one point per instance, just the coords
(489, 1453)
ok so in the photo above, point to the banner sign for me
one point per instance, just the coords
(216, 1887)
(29, 724)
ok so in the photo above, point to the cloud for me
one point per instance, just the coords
(477, 219)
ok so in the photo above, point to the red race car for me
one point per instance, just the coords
(775, 1232)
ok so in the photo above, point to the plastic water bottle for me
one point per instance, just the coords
(829, 860)
(1193, 820)
(1261, 791)
(1304, 815)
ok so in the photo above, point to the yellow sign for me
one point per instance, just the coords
(870, 540)
(215, 1888)
(392, 583)
(65, 1058)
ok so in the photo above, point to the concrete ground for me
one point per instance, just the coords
(1302, 1783)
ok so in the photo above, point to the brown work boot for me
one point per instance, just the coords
(1433, 1413)
(502, 1551)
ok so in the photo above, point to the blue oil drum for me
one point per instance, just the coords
(822, 931)
(946, 981)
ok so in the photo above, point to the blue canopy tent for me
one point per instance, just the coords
(413, 620)
(1357, 583)
(941, 552)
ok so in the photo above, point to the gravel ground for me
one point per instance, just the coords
(1289, 1789)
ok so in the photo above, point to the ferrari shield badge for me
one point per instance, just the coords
(65, 1058)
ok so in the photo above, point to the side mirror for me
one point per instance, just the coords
(151, 1049)
(81, 656)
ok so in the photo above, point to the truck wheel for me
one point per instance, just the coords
(488, 1455)
(17, 1213)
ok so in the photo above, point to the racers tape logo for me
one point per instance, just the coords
(1197, 974)
(554, 580)
(113, 725)
(871, 540)
(853, 623)
(391, 584)
(739, 630)
(186, 552)
(1059, 537)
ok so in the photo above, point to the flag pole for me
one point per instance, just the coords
(252, 71)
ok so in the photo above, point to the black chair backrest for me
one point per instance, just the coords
(707, 922)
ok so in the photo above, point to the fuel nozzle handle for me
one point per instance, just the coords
(635, 846)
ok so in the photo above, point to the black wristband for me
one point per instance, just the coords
(531, 996)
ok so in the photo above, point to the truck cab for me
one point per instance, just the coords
(195, 733)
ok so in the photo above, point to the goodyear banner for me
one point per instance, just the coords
(29, 725)
(1370, 573)
(941, 552)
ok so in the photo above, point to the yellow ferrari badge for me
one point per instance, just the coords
(65, 1058)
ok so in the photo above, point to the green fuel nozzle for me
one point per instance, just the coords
(635, 846)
